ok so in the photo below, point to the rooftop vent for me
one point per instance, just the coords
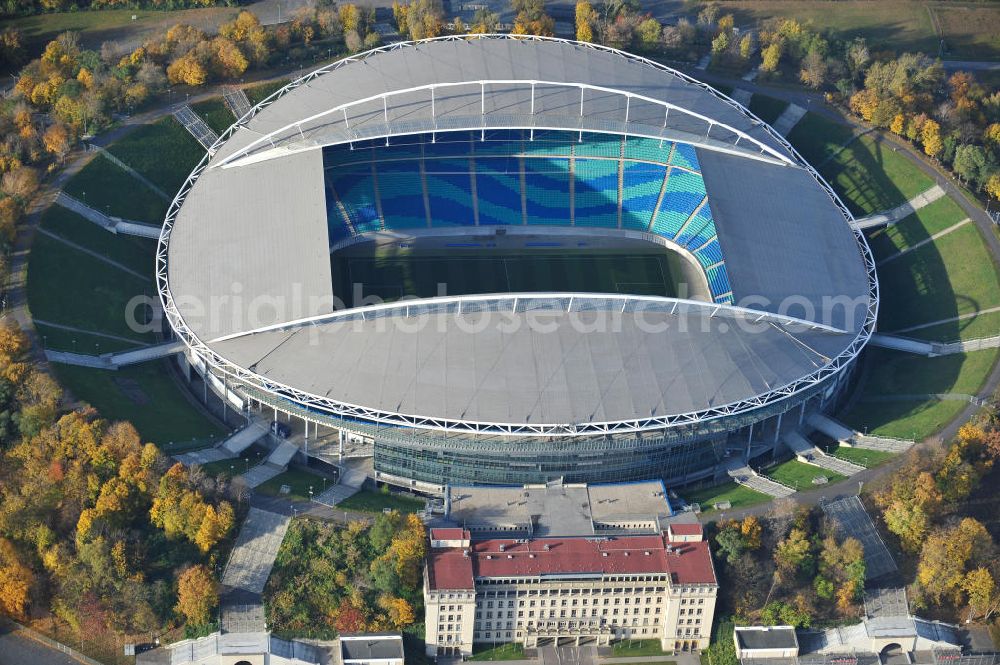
(547, 547)
(604, 553)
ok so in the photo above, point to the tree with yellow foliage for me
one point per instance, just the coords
(586, 16)
(187, 70)
(16, 580)
(197, 595)
(930, 137)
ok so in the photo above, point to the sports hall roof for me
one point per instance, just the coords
(248, 249)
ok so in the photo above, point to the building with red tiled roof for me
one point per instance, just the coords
(582, 590)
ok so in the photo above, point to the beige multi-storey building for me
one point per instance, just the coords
(569, 590)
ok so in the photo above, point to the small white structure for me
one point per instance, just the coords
(760, 642)
(260, 648)
(371, 649)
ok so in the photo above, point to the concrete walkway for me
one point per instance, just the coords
(742, 96)
(903, 210)
(196, 126)
(926, 241)
(112, 224)
(113, 361)
(204, 456)
(788, 119)
(245, 438)
(256, 547)
(906, 344)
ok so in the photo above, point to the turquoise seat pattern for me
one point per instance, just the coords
(684, 193)
(550, 178)
(595, 199)
(641, 185)
(401, 195)
(546, 191)
(448, 187)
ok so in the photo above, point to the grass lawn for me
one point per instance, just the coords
(162, 151)
(147, 396)
(69, 287)
(892, 24)
(799, 475)
(133, 252)
(106, 187)
(982, 325)
(215, 113)
(624, 648)
(900, 373)
(817, 138)
(374, 502)
(953, 275)
(59, 339)
(258, 93)
(921, 225)
(871, 177)
(863, 456)
(298, 480)
(914, 419)
(509, 651)
(767, 108)
(970, 31)
(737, 495)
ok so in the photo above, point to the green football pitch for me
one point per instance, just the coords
(391, 277)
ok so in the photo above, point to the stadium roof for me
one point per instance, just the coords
(246, 248)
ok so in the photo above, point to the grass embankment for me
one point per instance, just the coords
(163, 151)
(376, 502)
(737, 496)
(885, 406)
(215, 113)
(509, 651)
(799, 475)
(108, 188)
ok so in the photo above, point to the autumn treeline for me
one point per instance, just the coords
(96, 527)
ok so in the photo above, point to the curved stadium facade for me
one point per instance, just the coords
(643, 279)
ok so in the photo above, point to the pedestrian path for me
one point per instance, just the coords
(847, 436)
(788, 119)
(237, 101)
(197, 127)
(244, 438)
(204, 456)
(256, 548)
(903, 210)
(742, 96)
(352, 478)
(934, 349)
(906, 344)
(115, 360)
(260, 474)
(109, 223)
(918, 245)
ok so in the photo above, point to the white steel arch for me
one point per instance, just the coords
(290, 138)
(338, 409)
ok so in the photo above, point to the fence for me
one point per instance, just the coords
(24, 631)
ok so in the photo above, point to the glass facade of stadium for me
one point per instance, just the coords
(428, 460)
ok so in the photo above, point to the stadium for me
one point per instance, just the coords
(508, 260)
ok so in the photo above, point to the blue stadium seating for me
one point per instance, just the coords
(641, 185)
(684, 193)
(518, 180)
(648, 150)
(546, 191)
(595, 196)
(448, 187)
(685, 157)
(498, 185)
(401, 194)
